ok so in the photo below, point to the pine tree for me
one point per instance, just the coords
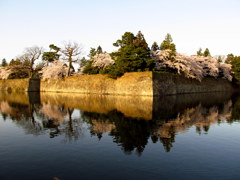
(229, 59)
(17, 61)
(83, 62)
(51, 56)
(53, 47)
(235, 62)
(99, 50)
(220, 59)
(206, 53)
(133, 54)
(4, 62)
(92, 52)
(199, 52)
(155, 46)
(168, 44)
(87, 63)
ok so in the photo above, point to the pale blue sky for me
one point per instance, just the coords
(192, 23)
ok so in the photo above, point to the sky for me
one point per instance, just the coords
(213, 24)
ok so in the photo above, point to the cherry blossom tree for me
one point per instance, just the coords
(55, 70)
(195, 67)
(14, 72)
(102, 60)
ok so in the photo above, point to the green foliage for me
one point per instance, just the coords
(4, 62)
(220, 59)
(87, 63)
(99, 50)
(206, 53)
(19, 62)
(199, 52)
(168, 44)
(235, 62)
(51, 56)
(229, 59)
(235, 110)
(53, 47)
(89, 69)
(127, 40)
(15, 62)
(133, 55)
(83, 62)
(92, 52)
(155, 46)
(115, 71)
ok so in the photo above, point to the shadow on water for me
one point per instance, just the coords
(130, 121)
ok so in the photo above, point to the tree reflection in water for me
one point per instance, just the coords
(131, 128)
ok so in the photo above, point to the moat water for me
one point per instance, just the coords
(72, 136)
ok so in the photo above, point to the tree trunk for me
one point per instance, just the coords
(69, 68)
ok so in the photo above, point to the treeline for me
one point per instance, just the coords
(133, 54)
(35, 59)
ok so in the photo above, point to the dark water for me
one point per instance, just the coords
(73, 136)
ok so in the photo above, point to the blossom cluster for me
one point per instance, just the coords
(102, 60)
(55, 70)
(14, 72)
(195, 67)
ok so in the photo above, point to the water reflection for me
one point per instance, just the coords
(130, 121)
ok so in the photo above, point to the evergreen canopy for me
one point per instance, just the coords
(133, 54)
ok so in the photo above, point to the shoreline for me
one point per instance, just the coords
(133, 84)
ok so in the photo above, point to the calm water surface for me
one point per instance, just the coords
(73, 136)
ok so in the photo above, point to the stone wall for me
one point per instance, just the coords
(169, 84)
(129, 84)
(137, 83)
(20, 85)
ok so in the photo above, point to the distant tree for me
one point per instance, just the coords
(11, 62)
(30, 55)
(143, 53)
(55, 70)
(168, 44)
(102, 61)
(99, 50)
(196, 67)
(86, 64)
(51, 56)
(17, 61)
(98, 64)
(55, 48)
(199, 52)
(229, 59)
(206, 53)
(71, 51)
(92, 52)
(220, 58)
(235, 62)
(155, 46)
(4, 62)
(83, 62)
(140, 41)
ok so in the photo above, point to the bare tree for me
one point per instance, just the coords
(71, 51)
(30, 55)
